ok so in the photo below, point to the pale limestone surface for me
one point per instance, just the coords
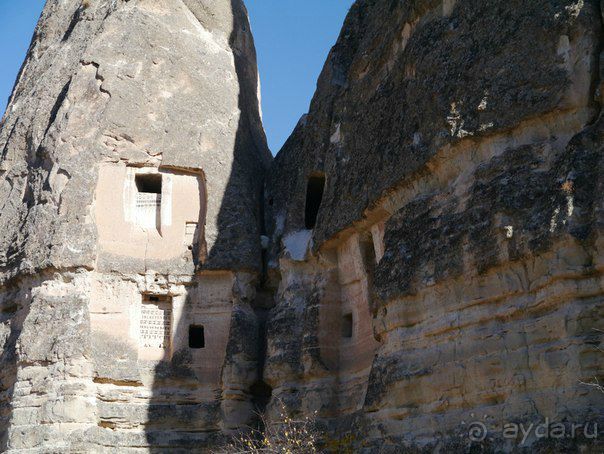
(101, 279)
(464, 140)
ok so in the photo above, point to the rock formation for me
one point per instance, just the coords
(435, 250)
(132, 156)
(454, 268)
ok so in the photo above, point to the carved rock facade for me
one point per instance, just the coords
(435, 225)
(132, 164)
(460, 228)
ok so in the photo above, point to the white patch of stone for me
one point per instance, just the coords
(74, 250)
(456, 123)
(554, 221)
(575, 9)
(129, 196)
(448, 6)
(509, 231)
(570, 205)
(296, 244)
(166, 200)
(336, 137)
(483, 104)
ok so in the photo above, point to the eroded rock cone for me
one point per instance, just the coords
(132, 157)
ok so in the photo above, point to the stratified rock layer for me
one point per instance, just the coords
(436, 222)
(462, 220)
(132, 158)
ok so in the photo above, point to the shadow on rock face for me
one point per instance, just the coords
(9, 309)
(188, 410)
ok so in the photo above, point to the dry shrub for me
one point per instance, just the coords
(285, 436)
(595, 383)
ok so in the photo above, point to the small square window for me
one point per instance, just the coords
(196, 337)
(149, 183)
(148, 200)
(347, 326)
(155, 327)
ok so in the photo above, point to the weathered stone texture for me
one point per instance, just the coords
(405, 80)
(455, 271)
(110, 92)
(141, 82)
(464, 141)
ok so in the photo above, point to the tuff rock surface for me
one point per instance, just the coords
(462, 219)
(454, 271)
(167, 87)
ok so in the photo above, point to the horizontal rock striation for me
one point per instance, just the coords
(132, 157)
(435, 254)
(461, 149)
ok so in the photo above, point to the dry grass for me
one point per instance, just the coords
(595, 383)
(285, 436)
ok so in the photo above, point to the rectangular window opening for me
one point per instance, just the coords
(148, 183)
(196, 337)
(148, 200)
(314, 197)
(368, 251)
(347, 325)
(155, 329)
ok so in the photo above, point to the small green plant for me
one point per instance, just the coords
(86, 4)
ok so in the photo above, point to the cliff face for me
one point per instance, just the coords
(131, 161)
(454, 271)
(436, 249)
(136, 82)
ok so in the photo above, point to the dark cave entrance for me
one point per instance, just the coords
(314, 196)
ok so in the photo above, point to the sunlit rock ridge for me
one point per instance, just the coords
(426, 251)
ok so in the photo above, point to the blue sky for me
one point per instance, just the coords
(293, 38)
